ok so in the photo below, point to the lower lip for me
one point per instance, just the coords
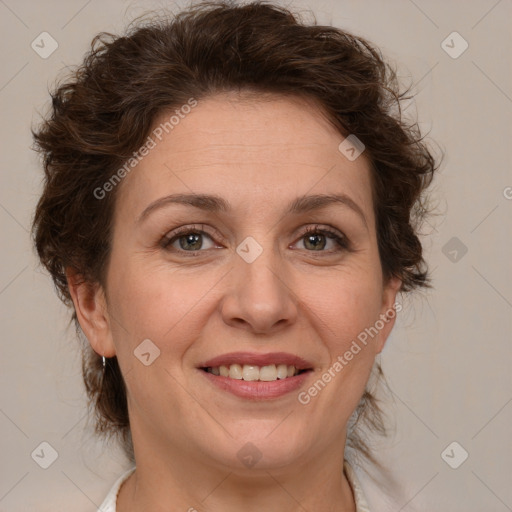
(257, 390)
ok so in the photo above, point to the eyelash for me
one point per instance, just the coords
(341, 240)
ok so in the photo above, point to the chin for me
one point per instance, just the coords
(260, 447)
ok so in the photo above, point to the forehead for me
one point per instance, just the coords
(248, 149)
(281, 127)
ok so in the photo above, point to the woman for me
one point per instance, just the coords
(230, 209)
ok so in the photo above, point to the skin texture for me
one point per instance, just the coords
(312, 302)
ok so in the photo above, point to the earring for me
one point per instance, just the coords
(104, 362)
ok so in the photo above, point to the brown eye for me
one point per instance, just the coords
(186, 239)
(317, 239)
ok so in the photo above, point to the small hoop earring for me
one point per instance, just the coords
(104, 362)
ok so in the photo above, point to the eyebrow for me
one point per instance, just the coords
(215, 204)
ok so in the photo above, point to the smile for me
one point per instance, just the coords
(249, 372)
(256, 376)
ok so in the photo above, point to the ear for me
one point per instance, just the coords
(388, 311)
(92, 314)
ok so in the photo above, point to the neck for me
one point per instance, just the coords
(180, 482)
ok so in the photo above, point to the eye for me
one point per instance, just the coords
(186, 239)
(315, 239)
(189, 239)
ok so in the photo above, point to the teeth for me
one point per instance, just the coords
(282, 371)
(268, 373)
(235, 372)
(250, 372)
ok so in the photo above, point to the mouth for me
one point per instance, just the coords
(252, 373)
(257, 376)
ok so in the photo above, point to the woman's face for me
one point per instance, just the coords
(243, 283)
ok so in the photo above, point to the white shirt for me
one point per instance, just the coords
(109, 504)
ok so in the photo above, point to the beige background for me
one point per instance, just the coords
(449, 358)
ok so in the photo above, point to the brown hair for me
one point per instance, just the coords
(104, 111)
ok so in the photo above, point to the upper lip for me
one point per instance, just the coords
(256, 359)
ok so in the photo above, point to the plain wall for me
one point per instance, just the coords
(449, 358)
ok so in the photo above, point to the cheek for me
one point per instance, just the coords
(347, 306)
(346, 313)
(151, 302)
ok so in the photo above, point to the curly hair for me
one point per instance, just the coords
(104, 110)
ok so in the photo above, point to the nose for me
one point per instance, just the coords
(260, 296)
